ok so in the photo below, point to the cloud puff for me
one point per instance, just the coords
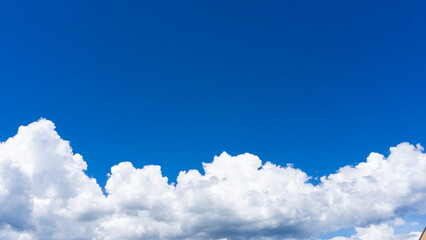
(379, 232)
(45, 194)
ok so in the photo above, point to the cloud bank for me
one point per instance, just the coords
(45, 194)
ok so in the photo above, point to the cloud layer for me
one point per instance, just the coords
(45, 194)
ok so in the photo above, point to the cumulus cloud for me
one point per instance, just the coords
(45, 194)
(379, 232)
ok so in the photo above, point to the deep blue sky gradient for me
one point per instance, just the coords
(320, 84)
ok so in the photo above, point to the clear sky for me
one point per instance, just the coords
(319, 84)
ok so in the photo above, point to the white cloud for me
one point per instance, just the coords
(45, 194)
(379, 232)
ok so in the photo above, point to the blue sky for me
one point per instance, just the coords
(319, 84)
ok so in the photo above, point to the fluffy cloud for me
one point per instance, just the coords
(379, 232)
(45, 194)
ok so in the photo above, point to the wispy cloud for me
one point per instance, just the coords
(45, 194)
